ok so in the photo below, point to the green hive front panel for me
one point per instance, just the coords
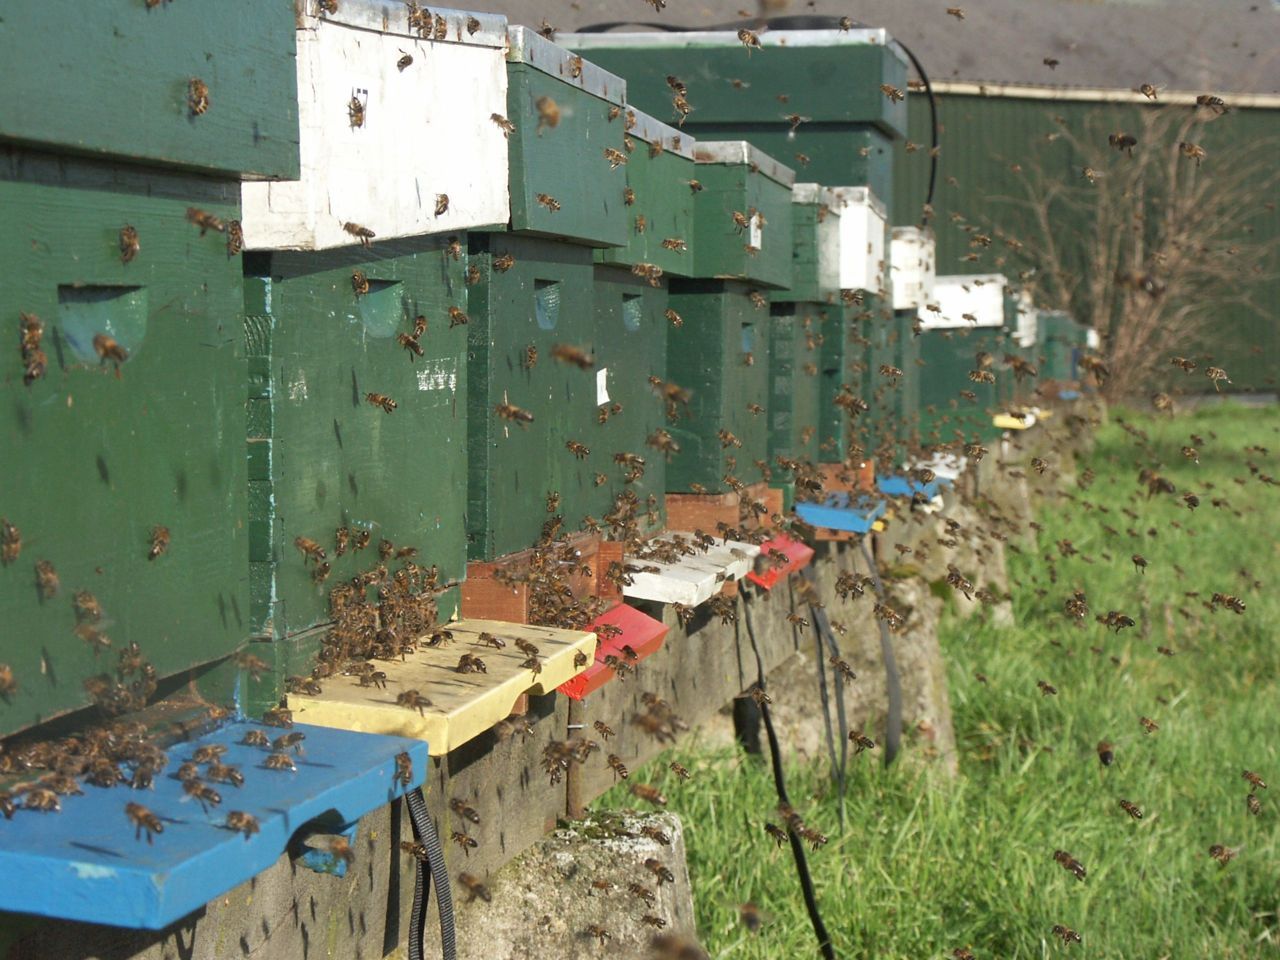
(1059, 338)
(907, 359)
(660, 207)
(815, 250)
(97, 455)
(561, 182)
(795, 336)
(756, 245)
(321, 454)
(953, 408)
(728, 83)
(123, 79)
(842, 370)
(721, 355)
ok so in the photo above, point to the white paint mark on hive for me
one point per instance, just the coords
(438, 375)
(298, 387)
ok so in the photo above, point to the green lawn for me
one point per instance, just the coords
(927, 864)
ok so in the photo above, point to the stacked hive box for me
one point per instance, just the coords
(914, 266)
(123, 473)
(1061, 341)
(720, 351)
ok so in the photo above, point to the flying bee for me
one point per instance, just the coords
(505, 125)
(412, 345)
(442, 204)
(457, 318)
(464, 811)
(749, 40)
(1066, 933)
(842, 668)
(618, 767)
(159, 542)
(475, 889)
(595, 930)
(108, 349)
(679, 770)
(47, 582)
(1070, 863)
(675, 244)
(1123, 141)
(359, 283)
(548, 113)
(642, 223)
(1223, 855)
(413, 700)
(465, 841)
(892, 373)
(649, 794)
(580, 451)
(205, 221)
(1216, 374)
(641, 892)
(860, 742)
(893, 93)
(356, 109)
(1253, 805)
(1046, 689)
(575, 356)
(957, 12)
(1192, 151)
(129, 244)
(309, 549)
(361, 233)
(202, 793)
(197, 96)
(1216, 104)
(695, 186)
(143, 819)
(1106, 753)
(778, 835)
(405, 61)
(1131, 809)
(1254, 780)
(381, 400)
(616, 158)
(240, 822)
(579, 658)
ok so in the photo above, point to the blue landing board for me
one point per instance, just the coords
(840, 512)
(85, 864)
(897, 485)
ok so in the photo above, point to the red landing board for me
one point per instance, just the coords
(798, 555)
(640, 632)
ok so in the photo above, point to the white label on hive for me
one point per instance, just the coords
(438, 375)
(602, 386)
(756, 233)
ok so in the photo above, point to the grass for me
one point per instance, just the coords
(928, 863)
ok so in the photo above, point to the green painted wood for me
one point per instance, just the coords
(907, 359)
(836, 84)
(815, 273)
(834, 155)
(795, 349)
(324, 457)
(554, 295)
(720, 246)
(708, 355)
(1059, 338)
(111, 78)
(663, 198)
(947, 417)
(92, 462)
(842, 366)
(565, 162)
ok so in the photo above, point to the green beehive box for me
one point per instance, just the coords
(734, 93)
(842, 368)
(947, 415)
(1060, 340)
(115, 78)
(795, 384)
(721, 354)
(561, 107)
(321, 455)
(93, 461)
(546, 297)
(907, 359)
(659, 202)
(815, 253)
(736, 178)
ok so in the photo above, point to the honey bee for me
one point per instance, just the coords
(1216, 374)
(893, 93)
(1216, 104)
(470, 663)
(197, 96)
(675, 244)
(87, 608)
(1253, 805)
(278, 717)
(982, 376)
(143, 819)
(240, 822)
(327, 7)
(628, 196)
(205, 221)
(679, 770)
(1047, 689)
(533, 663)
(47, 582)
(649, 920)
(356, 110)
(1223, 855)
(464, 811)
(649, 794)
(1106, 753)
(405, 61)
(749, 39)
(1131, 809)
(413, 700)
(129, 244)
(309, 549)
(289, 741)
(381, 400)
(642, 223)
(1070, 863)
(548, 113)
(957, 12)
(1254, 780)
(759, 301)
(572, 355)
(359, 283)
(1123, 141)
(473, 25)
(361, 233)
(695, 186)
(842, 668)
(548, 201)
(108, 349)
(595, 930)
(604, 730)
(1148, 91)
(280, 761)
(202, 793)
(860, 742)
(641, 892)
(505, 125)
(465, 841)
(159, 542)
(8, 686)
(475, 889)
(1192, 151)
(616, 158)
(1066, 933)
(618, 767)
(224, 773)
(442, 204)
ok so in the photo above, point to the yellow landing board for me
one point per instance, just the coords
(461, 705)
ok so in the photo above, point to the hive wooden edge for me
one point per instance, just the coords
(463, 706)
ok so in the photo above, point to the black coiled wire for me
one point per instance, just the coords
(425, 830)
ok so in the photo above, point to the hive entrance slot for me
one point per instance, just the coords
(383, 309)
(118, 312)
(546, 303)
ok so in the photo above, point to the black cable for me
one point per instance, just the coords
(822, 627)
(425, 830)
(893, 683)
(775, 753)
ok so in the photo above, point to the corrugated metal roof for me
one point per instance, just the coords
(1220, 46)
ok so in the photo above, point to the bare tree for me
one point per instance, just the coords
(1143, 234)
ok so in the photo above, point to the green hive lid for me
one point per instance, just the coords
(528, 47)
(980, 295)
(740, 152)
(644, 127)
(471, 29)
(875, 36)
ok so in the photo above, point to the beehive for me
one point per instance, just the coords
(816, 251)
(795, 382)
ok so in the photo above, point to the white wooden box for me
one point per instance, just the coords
(913, 265)
(863, 239)
(959, 298)
(1028, 321)
(427, 130)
